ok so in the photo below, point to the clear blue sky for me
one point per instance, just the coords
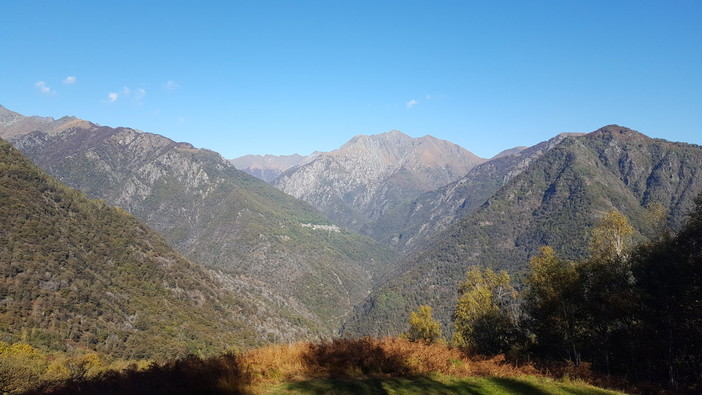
(287, 77)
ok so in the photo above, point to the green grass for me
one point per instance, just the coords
(435, 384)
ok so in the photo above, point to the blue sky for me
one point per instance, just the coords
(285, 77)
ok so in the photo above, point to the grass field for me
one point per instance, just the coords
(434, 384)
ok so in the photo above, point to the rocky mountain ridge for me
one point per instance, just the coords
(554, 201)
(409, 225)
(270, 167)
(369, 175)
(14, 124)
(304, 281)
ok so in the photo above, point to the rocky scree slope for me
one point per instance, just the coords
(554, 201)
(303, 274)
(369, 175)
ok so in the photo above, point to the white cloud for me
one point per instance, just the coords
(43, 88)
(411, 103)
(126, 91)
(170, 85)
(112, 97)
(70, 80)
(139, 95)
(435, 96)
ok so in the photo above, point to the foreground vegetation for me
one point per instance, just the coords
(627, 310)
(367, 365)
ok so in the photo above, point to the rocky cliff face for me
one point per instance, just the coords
(369, 175)
(409, 225)
(303, 279)
(554, 200)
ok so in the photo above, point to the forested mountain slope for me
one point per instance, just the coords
(304, 273)
(554, 201)
(409, 225)
(77, 273)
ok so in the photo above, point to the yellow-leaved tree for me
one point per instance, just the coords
(422, 326)
(487, 314)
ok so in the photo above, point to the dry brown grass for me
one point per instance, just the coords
(340, 358)
(370, 357)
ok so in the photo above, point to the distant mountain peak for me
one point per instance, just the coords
(371, 173)
(619, 132)
(15, 124)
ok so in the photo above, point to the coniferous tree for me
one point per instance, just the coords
(669, 291)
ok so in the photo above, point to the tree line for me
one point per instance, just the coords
(628, 309)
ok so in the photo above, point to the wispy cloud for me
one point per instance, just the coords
(434, 96)
(70, 80)
(139, 95)
(170, 85)
(411, 103)
(43, 88)
(135, 95)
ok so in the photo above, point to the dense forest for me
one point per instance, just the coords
(79, 275)
(628, 310)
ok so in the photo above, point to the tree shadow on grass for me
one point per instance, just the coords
(190, 375)
(415, 385)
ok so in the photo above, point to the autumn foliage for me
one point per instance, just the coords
(339, 358)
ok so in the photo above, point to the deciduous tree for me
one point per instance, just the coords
(553, 303)
(422, 326)
(487, 312)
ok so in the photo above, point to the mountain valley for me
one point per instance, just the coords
(305, 280)
(341, 243)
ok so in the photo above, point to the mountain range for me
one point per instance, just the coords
(359, 182)
(288, 250)
(553, 200)
(302, 273)
(269, 167)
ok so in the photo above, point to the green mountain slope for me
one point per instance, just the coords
(304, 274)
(77, 273)
(408, 226)
(555, 201)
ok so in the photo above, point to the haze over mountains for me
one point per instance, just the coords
(288, 252)
(269, 167)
